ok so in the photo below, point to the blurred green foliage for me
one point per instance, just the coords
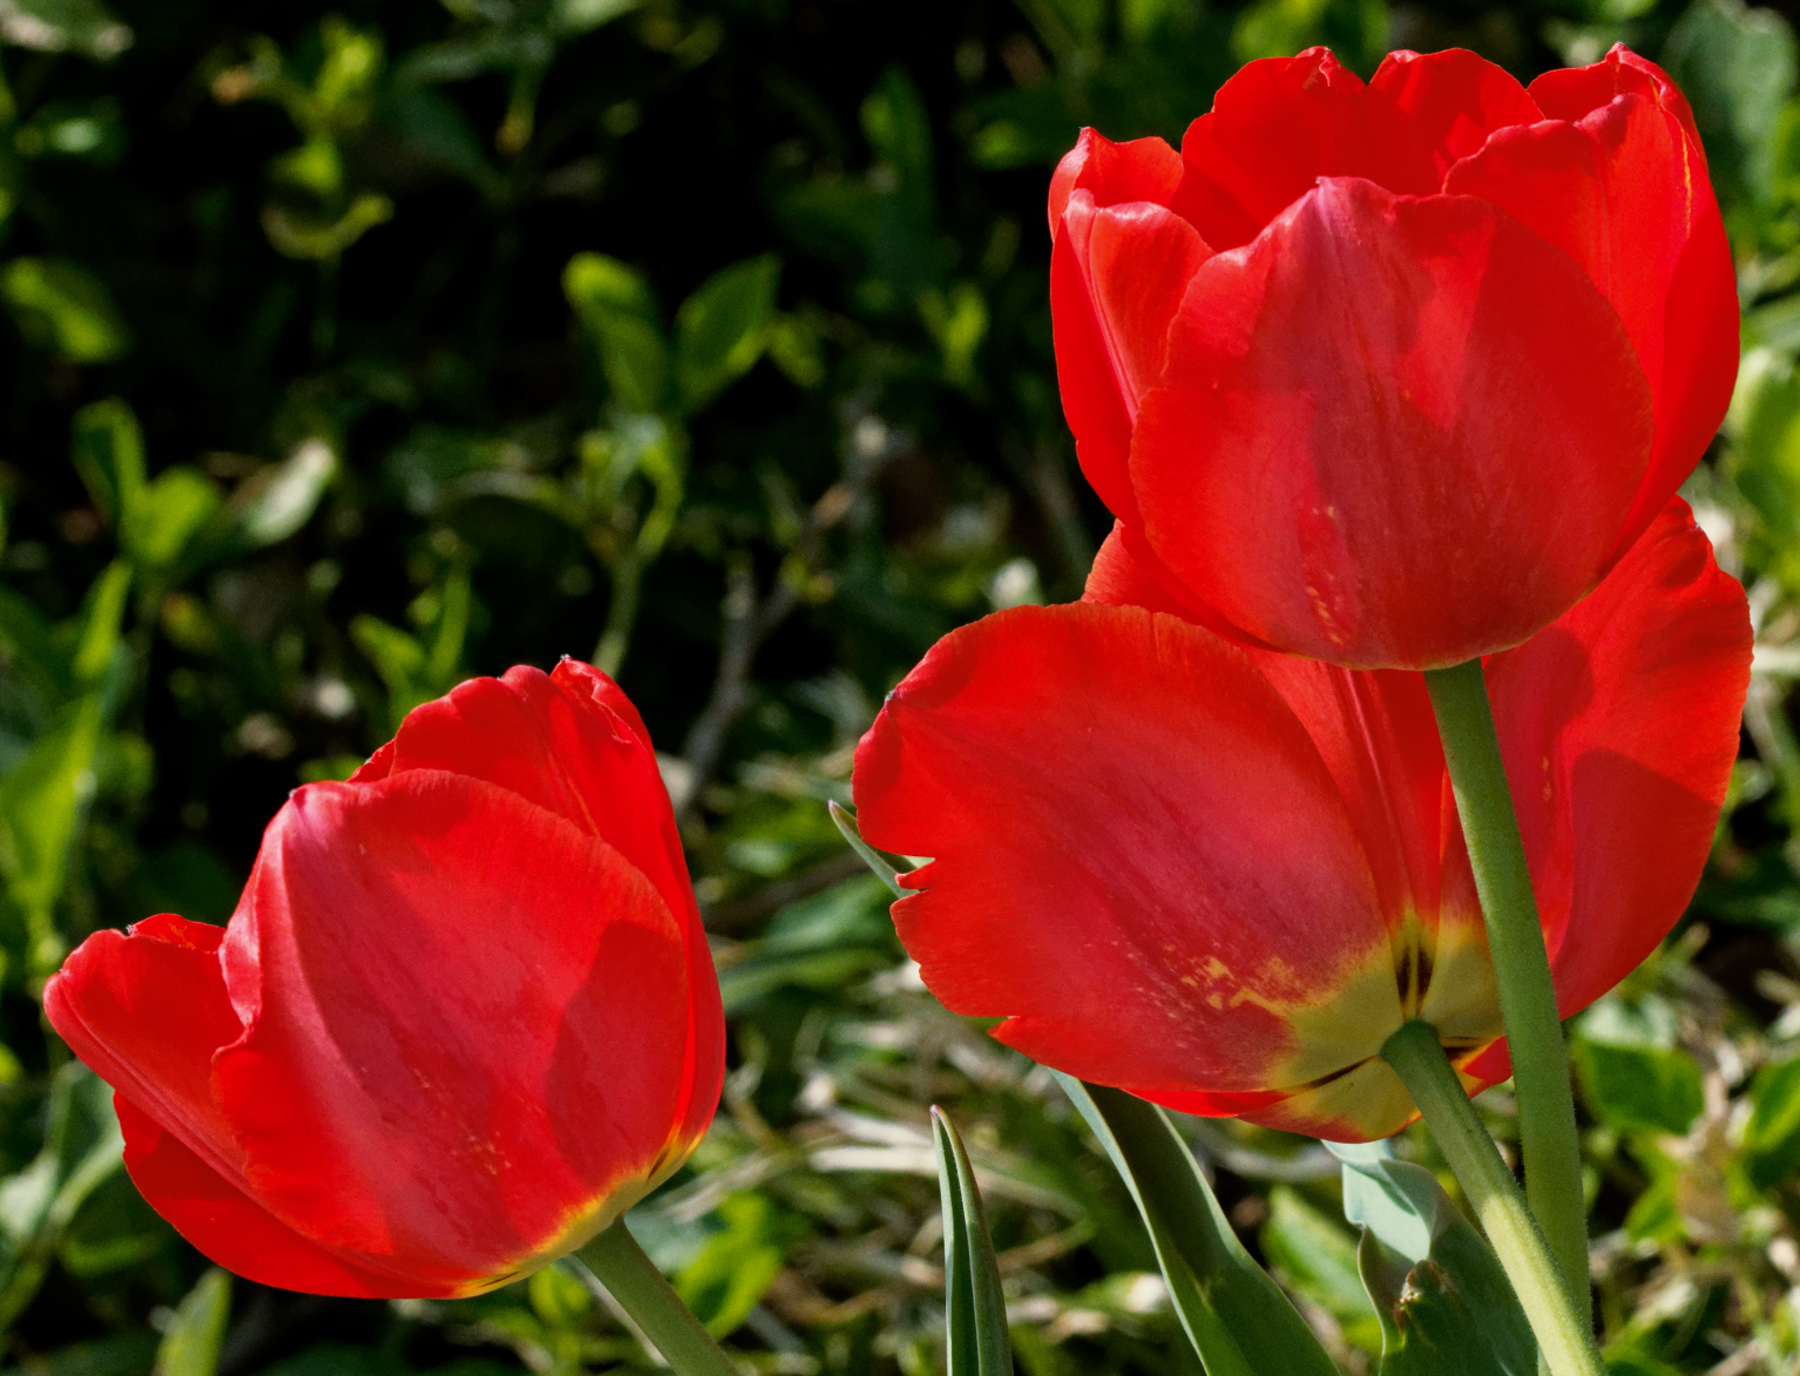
(352, 350)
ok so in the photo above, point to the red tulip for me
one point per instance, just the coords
(463, 1017)
(1221, 878)
(1391, 375)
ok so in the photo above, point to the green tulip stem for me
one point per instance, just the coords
(1561, 1326)
(617, 1262)
(1551, 1149)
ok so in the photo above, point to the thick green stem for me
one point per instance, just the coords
(1547, 1135)
(1562, 1326)
(631, 1278)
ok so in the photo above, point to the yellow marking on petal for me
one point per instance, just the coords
(582, 1223)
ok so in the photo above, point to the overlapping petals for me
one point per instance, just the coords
(463, 1016)
(1391, 374)
(1221, 877)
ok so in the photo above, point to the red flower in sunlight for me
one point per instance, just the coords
(463, 1017)
(1391, 375)
(1221, 878)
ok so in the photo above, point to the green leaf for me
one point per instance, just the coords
(1771, 1150)
(1316, 1256)
(174, 509)
(1235, 1315)
(735, 1267)
(62, 308)
(43, 799)
(190, 1345)
(721, 329)
(579, 16)
(1638, 1088)
(879, 865)
(83, 1148)
(616, 306)
(1736, 65)
(975, 1337)
(107, 447)
(1445, 1305)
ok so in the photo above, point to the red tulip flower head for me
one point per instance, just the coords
(1222, 878)
(1390, 375)
(463, 1017)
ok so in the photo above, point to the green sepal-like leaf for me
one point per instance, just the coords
(1446, 1307)
(975, 1340)
(1236, 1316)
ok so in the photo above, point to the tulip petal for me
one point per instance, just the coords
(1117, 276)
(1375, 732)
(1115, 173)
(1371, 412)
(486, 1075)
(1619, 726)
(1571, 92)
(1451, 101)
(146, 1010)
(1112, 800)
(1126, 574)
(556, 743)
(1624, 192)
(215, 1215)
(1275, 128)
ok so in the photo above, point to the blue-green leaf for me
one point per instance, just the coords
(879, 865)
(1236, 1316)
(1445, 1305)
(975, 1341)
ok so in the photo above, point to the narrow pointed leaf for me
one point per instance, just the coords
(1236, 1316)
(1446, 1307)
(878, 863)
(976, 1342)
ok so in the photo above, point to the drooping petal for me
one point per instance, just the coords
(230, 1228)
(1114, 173)
(1116, 278)
(1115, 804)
(1624, 192)
(146, 1010)
(1275, 128)
(1619, 726)
(487, 1074)
(1370, 413)
(1451, 101)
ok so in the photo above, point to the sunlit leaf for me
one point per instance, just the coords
(62, 308)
